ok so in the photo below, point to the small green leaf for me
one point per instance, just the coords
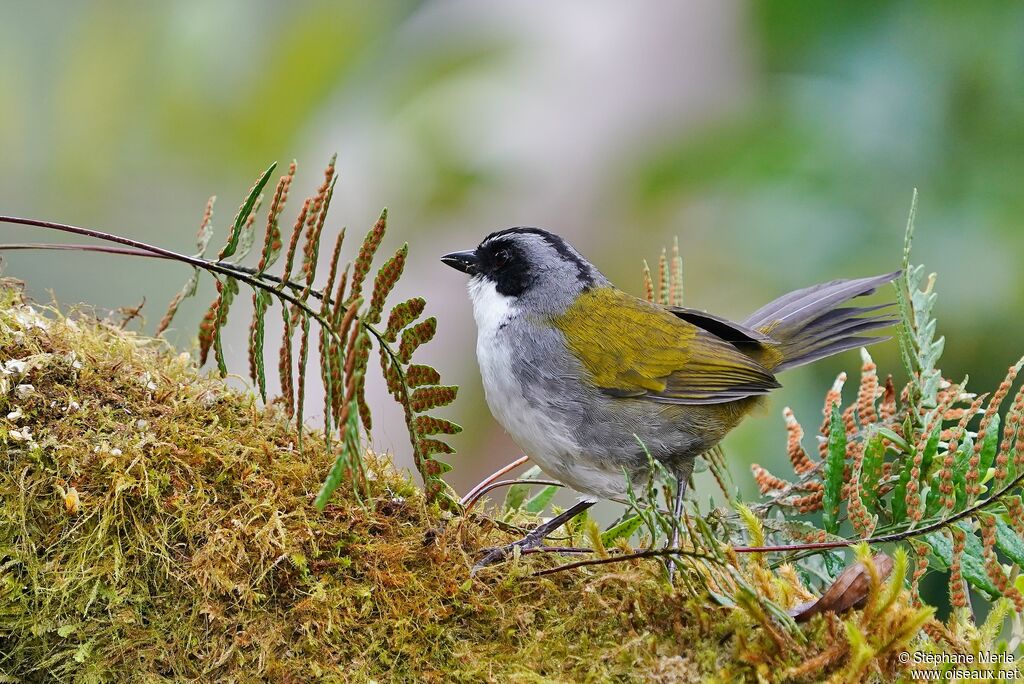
(517, 493)
(871, 471)
(963, 458)
(429, 425)
(348, 463)
(188, 290)
(989, 445)
(228, 289)
(899, 494)
(539, 501)
(261, 302)
(835, 462)
(418, 375)
(384, 282)
(243, 214)
(1009, 542)
(971, 563)
(413, 337)
(205, 233)
(334, 477)
(623, 530)
(402, 314)
(426, 398)
(300, 392)
(930, 449)
(834, 564)
(436, 446)
(248, 234)
(894, 438)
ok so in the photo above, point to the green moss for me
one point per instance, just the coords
(156, 525)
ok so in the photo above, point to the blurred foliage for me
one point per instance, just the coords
(189, 79)
(853, 106)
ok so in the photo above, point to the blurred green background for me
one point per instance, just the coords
(779, 141)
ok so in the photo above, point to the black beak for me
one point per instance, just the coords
(462, 261)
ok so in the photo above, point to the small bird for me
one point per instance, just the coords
(584, 376)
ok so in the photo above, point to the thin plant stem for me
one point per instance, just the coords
(473, 494)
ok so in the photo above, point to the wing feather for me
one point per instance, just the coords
(633, 348)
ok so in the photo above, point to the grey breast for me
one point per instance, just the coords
(606, 427)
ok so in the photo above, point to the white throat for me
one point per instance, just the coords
(491, 309)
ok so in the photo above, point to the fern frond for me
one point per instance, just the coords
(207, 328)
(300, 394)
(675, 290)
(346, 331)
(648, 283)
(248, 234)
(289, 319)
(188, 290)
(435, 396)
(205, 233)
(328, 364)
(203, 236)
(243, 214)
(834, 466)
(315, 219)
(261, 301)
(429, 425)
(272, 236)
(227, 290)
(361, 266)
(384, 282)
(418, 375)
(293, 243)
(403, 314)
(663, 279)
(413, 337)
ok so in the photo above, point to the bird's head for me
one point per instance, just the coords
(527, 265)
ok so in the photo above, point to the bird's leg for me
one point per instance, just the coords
(536, 536)
(682, 475)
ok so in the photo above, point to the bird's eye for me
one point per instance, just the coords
(501, 257)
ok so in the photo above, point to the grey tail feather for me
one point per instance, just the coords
(809, 324)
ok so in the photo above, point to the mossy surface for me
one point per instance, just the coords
(158, 526)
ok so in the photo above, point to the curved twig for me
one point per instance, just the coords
(507, 483)
(140, 248)
(473, 493)
(557, 549)
(653, 553)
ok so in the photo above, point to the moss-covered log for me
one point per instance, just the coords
(156, 525)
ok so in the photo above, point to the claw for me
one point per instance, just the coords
(497, 554)
(533, 539)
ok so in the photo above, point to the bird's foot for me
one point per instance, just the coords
(534, 539)
(673, 543)
(497, 554)
(670, 562)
